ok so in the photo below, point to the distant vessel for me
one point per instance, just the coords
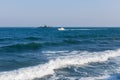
(45, 26)
(61, 29)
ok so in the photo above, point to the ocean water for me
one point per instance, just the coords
(50, 54)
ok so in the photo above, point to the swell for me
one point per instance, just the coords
(22, 46)
(74, 41)
(48, 68)
(28, 46)
(5, 39)
(86, 36)
(26, 38)
(38, 45)
(33, 38)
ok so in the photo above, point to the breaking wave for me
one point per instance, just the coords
(48, 68)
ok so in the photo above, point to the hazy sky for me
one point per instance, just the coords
(60, 12)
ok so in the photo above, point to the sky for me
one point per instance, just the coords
(27, 13)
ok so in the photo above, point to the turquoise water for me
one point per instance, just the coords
(50, 54)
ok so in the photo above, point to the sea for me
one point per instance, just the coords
(76, 53)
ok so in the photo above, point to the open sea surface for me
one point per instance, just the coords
(50, 54)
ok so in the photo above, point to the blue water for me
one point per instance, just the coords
(50, 54)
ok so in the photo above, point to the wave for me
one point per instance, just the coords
(22, 46)
(86, 36)
(104, 77)
(27, 38)
(73, 41)
(70, 41)
(4, 39)
(38, 45)
(48, 68)
(33, 38)
(28, 46)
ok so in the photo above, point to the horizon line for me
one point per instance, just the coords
(55, 26)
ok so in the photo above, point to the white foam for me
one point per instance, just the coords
(42, 70)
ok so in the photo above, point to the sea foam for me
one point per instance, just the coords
(48, 68)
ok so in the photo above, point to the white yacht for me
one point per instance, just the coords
(61, 29)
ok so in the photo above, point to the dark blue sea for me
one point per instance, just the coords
(70, 54)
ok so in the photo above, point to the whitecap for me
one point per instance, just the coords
(48, 68)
